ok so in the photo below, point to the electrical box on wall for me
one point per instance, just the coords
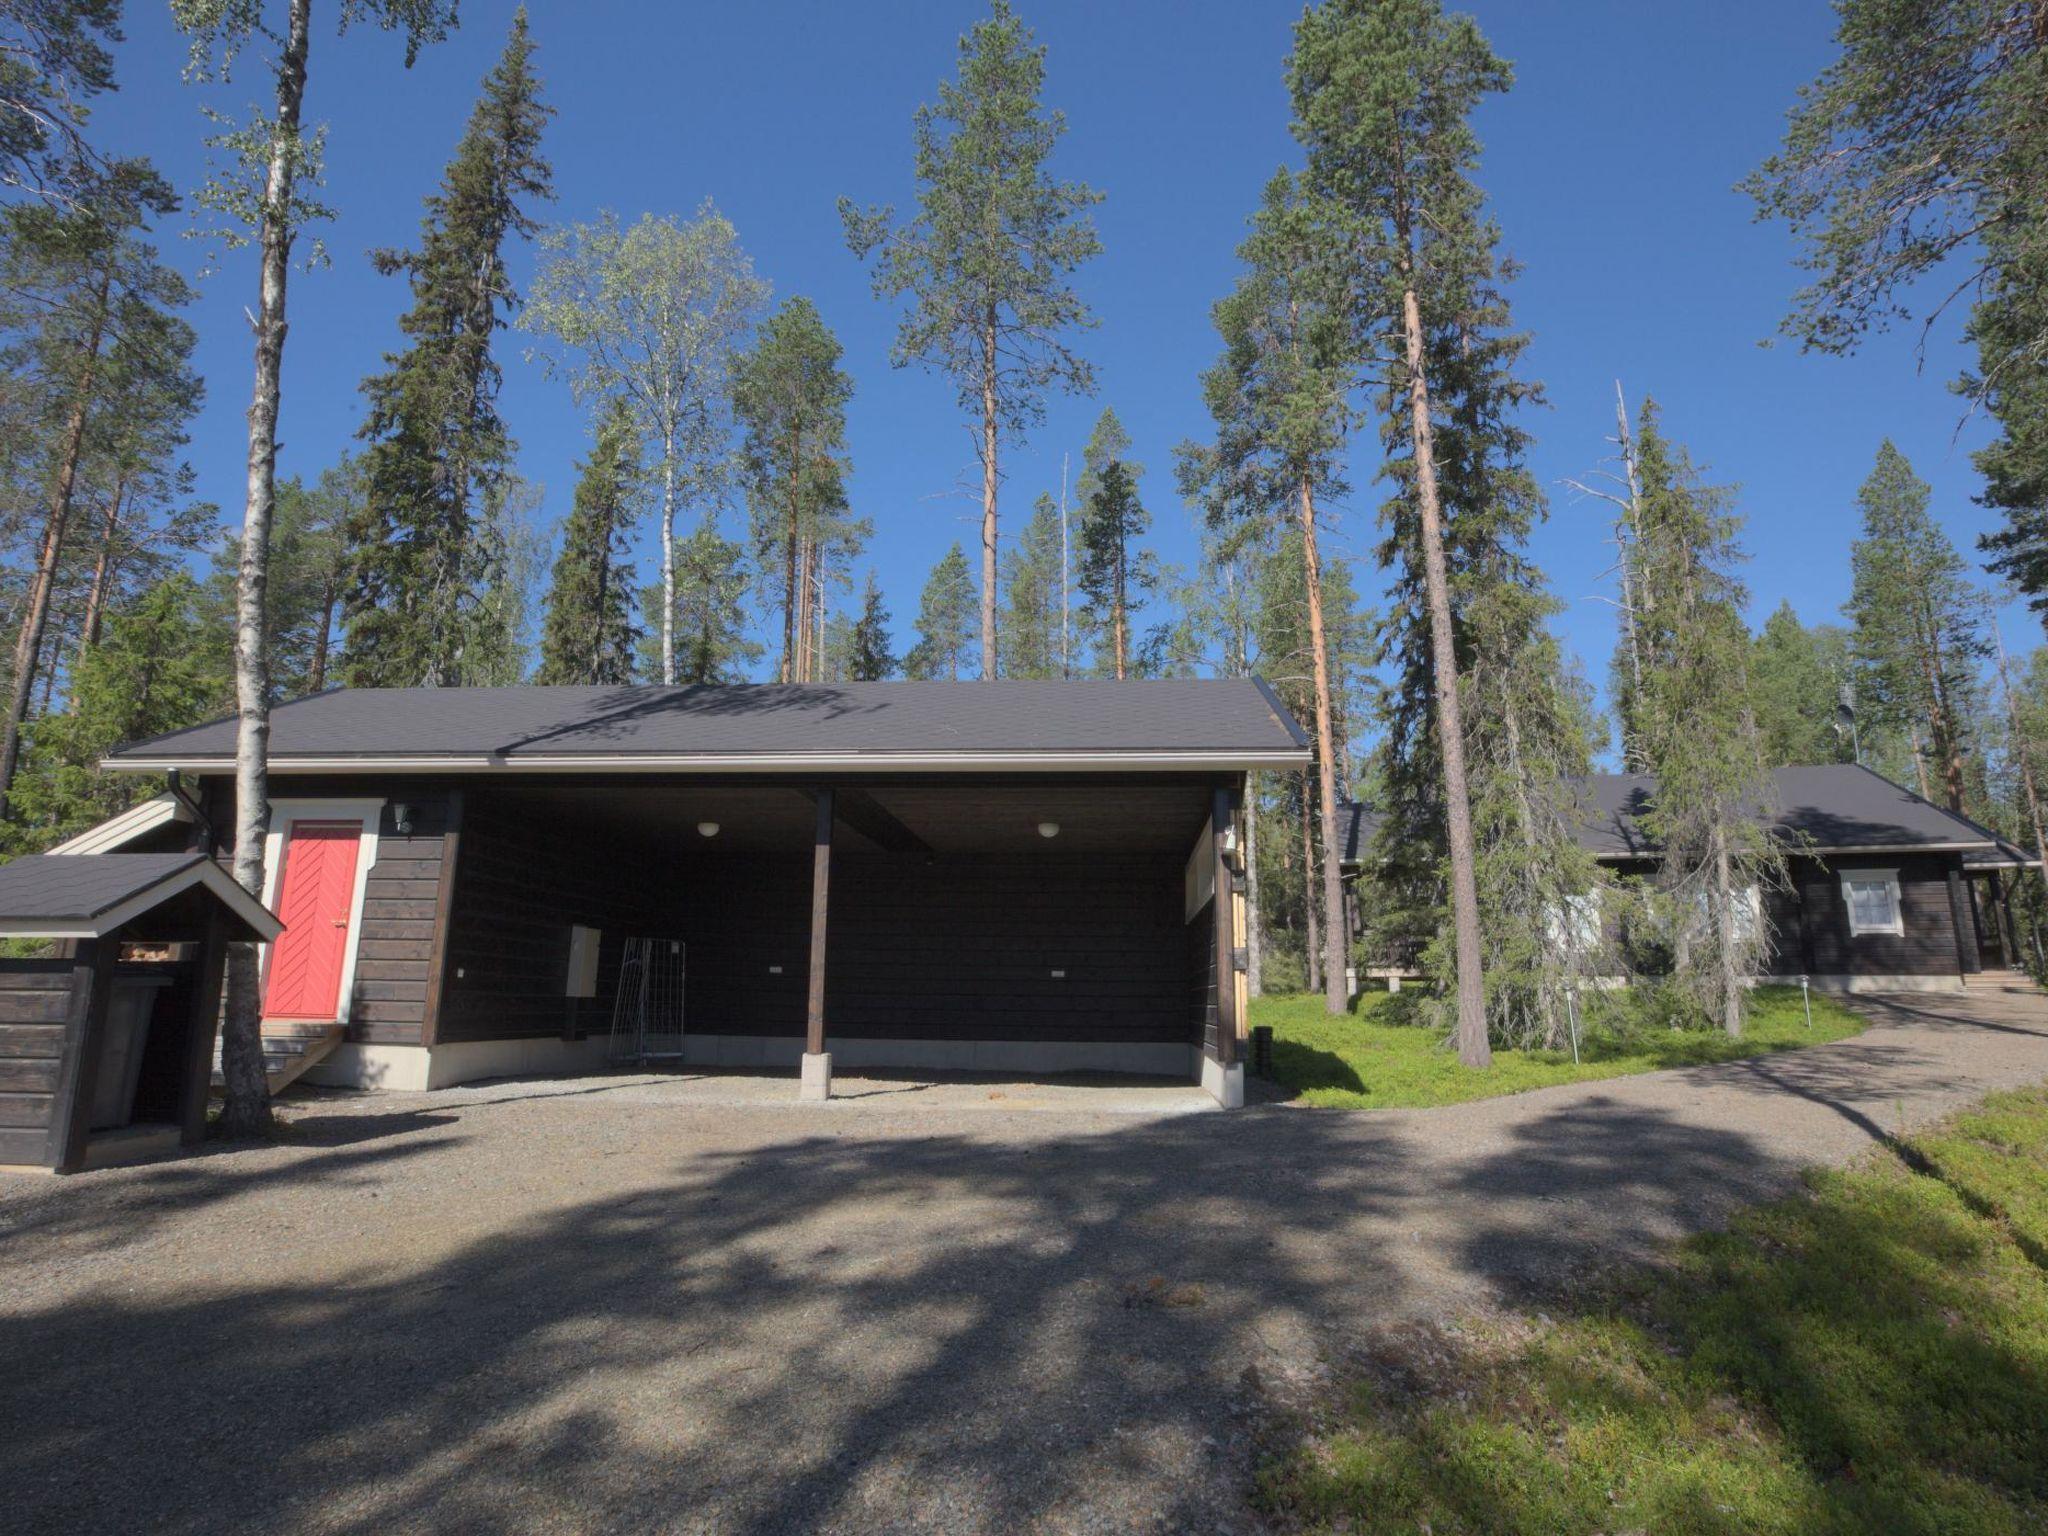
(583, 946)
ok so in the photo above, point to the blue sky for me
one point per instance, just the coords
(1611, 167)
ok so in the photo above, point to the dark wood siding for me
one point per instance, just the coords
(388, 1003)
(941, 948)
(1926, 948)
(389, 1000)
(1043, 946)
(35, 1005)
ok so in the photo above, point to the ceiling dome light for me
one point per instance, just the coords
(1048, 829)
(707, 829)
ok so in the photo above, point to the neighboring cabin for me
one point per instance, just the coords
(1019, 876)
(1888, 892)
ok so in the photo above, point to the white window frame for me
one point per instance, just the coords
(283, 814)
(1886, 877)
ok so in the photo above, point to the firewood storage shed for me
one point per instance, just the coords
(106, 1041)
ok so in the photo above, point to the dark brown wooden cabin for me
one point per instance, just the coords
(1888, 891)
(106, 1047)
(1017, 877)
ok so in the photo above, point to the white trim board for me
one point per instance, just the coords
(119, 831)
(762, 763)
(368, 812)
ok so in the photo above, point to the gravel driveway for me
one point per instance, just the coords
(615, 1305)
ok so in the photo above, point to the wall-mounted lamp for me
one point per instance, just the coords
(707, 829)
(1048, 829)
(401, 818)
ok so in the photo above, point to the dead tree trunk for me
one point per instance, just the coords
(247, 1107)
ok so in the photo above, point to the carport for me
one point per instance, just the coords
(1022, 877)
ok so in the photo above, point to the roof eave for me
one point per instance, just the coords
(1216, 760)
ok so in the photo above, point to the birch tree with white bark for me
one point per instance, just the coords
(263, 194)
(655, 314)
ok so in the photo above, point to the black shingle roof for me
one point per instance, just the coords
(53, 889)
(1827, 806)
(41, 885)
(1221, 716)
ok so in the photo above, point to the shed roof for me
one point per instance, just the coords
(1222, 723)
(1827, 807)
(84, 896)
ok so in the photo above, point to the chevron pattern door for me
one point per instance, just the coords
(315, 891)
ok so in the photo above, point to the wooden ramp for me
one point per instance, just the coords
(290, 1047)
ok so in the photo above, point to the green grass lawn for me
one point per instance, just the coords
(1871, 1357)
(1360, 1062)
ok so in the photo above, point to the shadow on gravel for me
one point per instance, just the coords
(956, 1333)
(854, 1328)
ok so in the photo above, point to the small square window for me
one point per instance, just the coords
(1872, 897)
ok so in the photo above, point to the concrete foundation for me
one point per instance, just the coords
(1223, 1084)
(815, 1083)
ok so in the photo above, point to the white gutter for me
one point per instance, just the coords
(777, 762)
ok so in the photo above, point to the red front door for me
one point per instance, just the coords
(315, 891)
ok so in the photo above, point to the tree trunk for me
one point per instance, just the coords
(1724, 936)
(1254, 943)
(1066, 633)
(246, 1110)
(28, 645)
(989, 423)
(330, 594)
(1336, 997)
(668, 553)
(2023, 751)
(1942, 724)
(1473, 1047)
(790, 594)
(1312, 949)
(1117, 617)
(1920, 764)
(1625, 539)
(102, 572)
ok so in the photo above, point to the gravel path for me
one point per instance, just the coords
(615, 1305)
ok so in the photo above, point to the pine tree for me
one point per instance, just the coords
(791, 396)
(154, 671)
(1384, 92)
(91, 317)
(1031, 588)
(1112, 517)
(1699, 732)
(987, 259)
(1285, 629)
(588, 634)
(437, 445)
(1923, 148)
(1918, 641)
(708, 627)
(55, 56)
(866, 656)
(1800, 675)
(945, 621)
(1279, 398)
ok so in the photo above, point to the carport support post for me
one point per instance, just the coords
(1223, 1073)
(816, 1082)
